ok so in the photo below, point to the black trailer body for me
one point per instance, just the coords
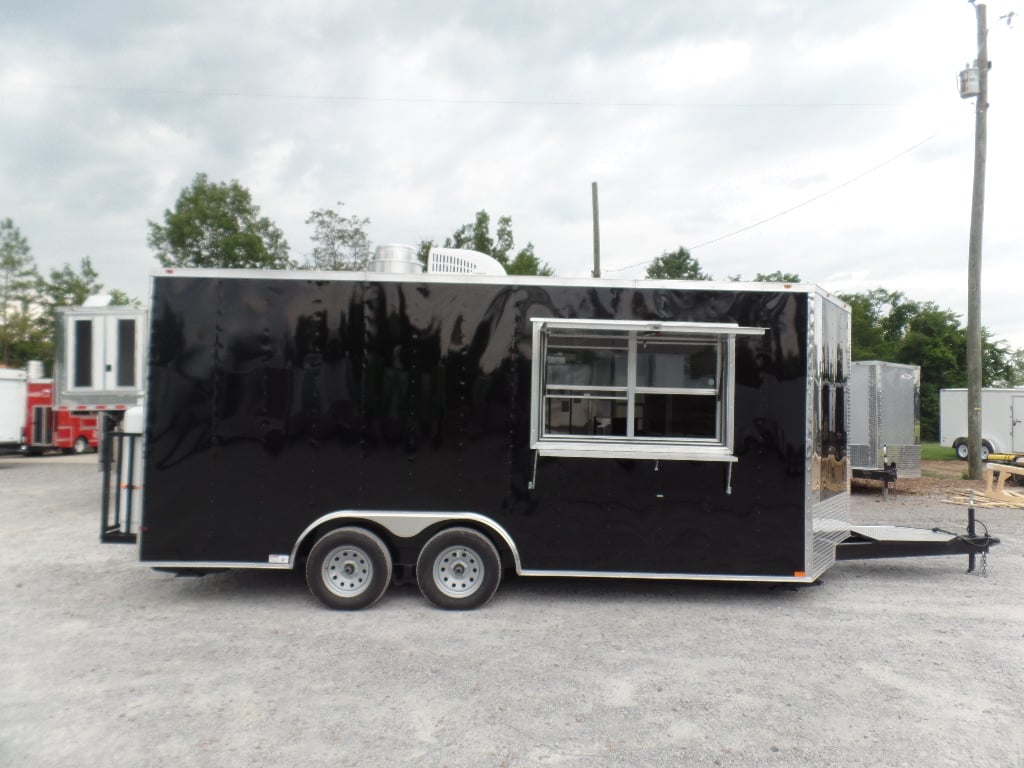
(585, 428)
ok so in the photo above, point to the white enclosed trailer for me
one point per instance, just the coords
(885, 419)
(12, 407)
(1002, 420)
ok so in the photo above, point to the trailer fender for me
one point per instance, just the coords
(406, 525)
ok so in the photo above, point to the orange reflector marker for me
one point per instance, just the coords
(799, 574)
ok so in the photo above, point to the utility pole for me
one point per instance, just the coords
(974, 255)
(597, 232)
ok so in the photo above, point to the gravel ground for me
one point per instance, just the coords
(885, 663)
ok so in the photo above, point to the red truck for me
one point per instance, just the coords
(68, 428)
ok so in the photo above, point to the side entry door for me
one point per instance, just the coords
(1017, 423)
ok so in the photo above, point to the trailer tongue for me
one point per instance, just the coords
(877, 541)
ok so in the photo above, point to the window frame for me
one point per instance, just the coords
(631, 446)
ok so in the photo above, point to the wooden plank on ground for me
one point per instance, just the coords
(988, 499)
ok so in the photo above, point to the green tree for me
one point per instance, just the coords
(218, 225)
(676, 265)
(29, 301)
(339, 242)
(521, 262)
(777, 277)
(999, 363)
(476, 236)
(1015, 369)
(119, 298)
(68, 288)
(867, 311)
(423, 251)
(888, 326)
(64, 288)
(772, 277)
(527, 263)
(18, 280)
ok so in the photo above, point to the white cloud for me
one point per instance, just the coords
(418, 117)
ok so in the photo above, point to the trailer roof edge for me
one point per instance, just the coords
(368, 276)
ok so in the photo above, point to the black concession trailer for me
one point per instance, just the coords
(444, 428)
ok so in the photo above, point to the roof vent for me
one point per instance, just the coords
(395, 259)
(462, 261)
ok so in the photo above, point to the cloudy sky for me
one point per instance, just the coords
(823, 138)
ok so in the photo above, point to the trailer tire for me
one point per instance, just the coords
(960, 446)
(348, 569)
(458, 569)
(81, 445)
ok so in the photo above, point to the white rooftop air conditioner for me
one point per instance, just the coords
(462, 261)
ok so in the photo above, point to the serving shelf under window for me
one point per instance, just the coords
(609, 449)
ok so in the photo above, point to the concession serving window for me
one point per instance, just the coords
(634, 389)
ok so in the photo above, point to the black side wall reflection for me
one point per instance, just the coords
(274, 402)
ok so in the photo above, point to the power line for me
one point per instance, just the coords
(261, 95)
(795, 207)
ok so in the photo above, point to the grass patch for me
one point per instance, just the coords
(937, 452)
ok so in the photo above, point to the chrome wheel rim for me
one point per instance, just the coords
(458, 571)
(347, 571)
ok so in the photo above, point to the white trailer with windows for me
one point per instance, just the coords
(1002, 420)
(98, 367)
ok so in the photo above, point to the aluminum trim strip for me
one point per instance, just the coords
(673, 326)
(199, 564)
(668, 576)
(214, 564)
